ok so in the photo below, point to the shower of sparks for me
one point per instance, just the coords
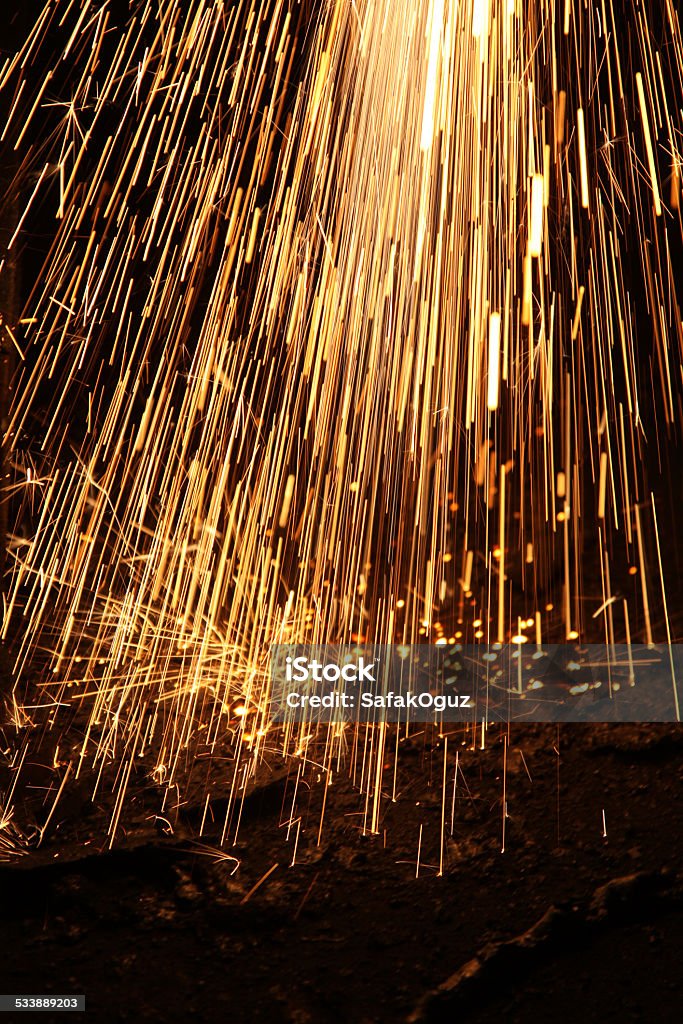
(354, 320)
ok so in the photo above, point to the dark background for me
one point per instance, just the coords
(567, 923)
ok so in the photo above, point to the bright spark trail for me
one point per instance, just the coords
(358, 322)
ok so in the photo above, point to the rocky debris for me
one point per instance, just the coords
(561, 928)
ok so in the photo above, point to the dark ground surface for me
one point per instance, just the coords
(155, 930)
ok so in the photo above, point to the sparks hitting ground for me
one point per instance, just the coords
(333, 341)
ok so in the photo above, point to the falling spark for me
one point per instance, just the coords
(494, 360)
(341, 334)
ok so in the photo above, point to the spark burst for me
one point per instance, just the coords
(340, 336)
